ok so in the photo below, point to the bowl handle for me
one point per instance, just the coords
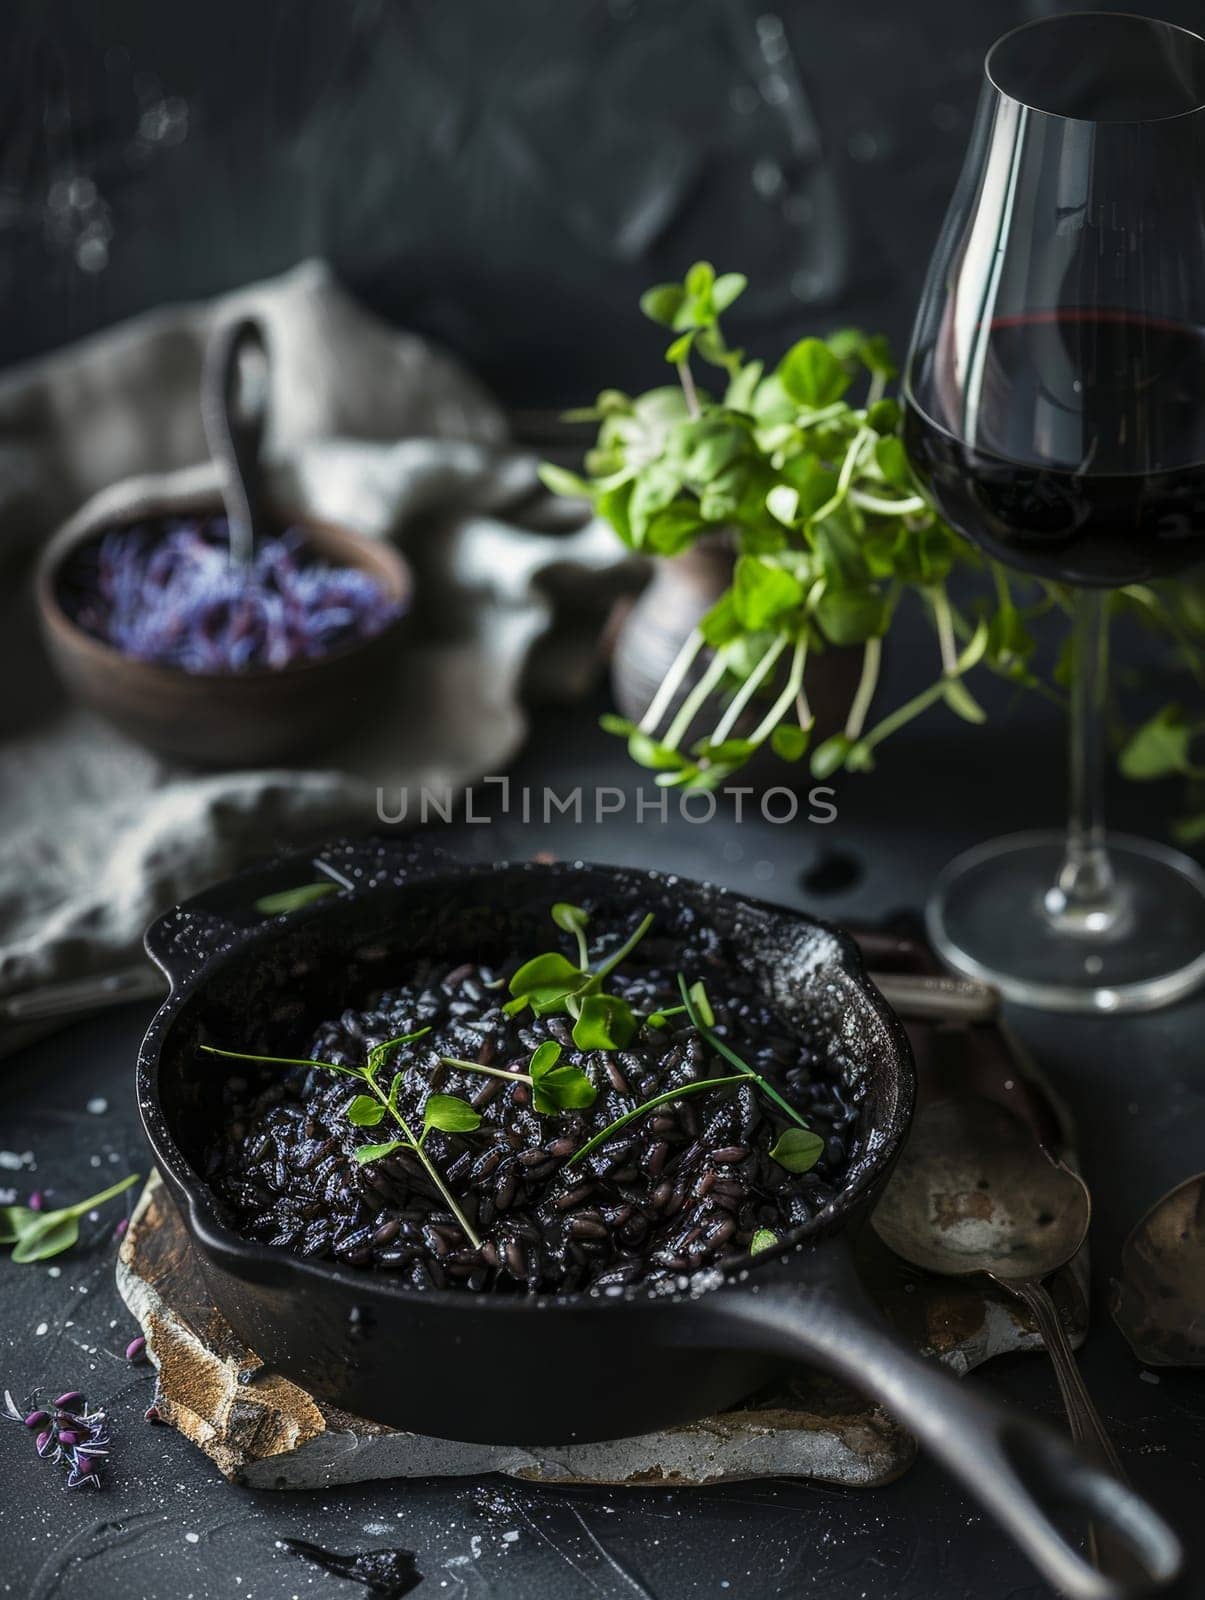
(1017, 1468)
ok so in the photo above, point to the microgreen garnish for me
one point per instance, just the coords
(273, 905)
(443, 1111)
(553, 1087)
(36, 1235)
(763, 1239)
(797, 1149)
(550, 983)
(729, 1054)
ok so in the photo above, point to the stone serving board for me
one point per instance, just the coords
(263, 1431)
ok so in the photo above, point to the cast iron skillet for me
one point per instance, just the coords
(551, 1369)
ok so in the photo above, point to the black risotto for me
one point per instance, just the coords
(681, 1188)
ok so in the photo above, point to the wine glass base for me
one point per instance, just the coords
(988, 918)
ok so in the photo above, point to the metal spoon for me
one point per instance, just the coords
(234, 408)
(1159, 1300)
(975, 1192)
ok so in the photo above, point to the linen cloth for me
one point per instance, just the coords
(368, 427)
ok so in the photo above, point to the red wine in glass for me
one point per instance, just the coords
(1055, 409)
(1089, 457)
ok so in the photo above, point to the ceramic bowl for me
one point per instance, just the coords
(253, 718)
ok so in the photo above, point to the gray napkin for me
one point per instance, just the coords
(369, 427)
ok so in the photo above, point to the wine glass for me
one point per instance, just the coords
(1055, 409)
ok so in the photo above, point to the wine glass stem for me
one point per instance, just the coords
(1084, 898)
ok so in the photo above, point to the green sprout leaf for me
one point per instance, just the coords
(605, 1022)
(449, 1114)
(762, 593)
(558, 1088)
(797, 1149)
(729, 286)
(365, 1111)
(662, 303)
(812, 375)
(789, 741)
(1159, 748)
(273, 905)
(544, 981)
(829, 756)
(54, 1232)
(763, 1239)
(374, 1152)
(570, 919)
(38, 1235)
(570, 485)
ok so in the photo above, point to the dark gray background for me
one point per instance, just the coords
(507, 174)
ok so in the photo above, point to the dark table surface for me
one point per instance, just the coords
(167, 1527)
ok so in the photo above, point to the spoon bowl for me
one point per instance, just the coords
(974, 1192)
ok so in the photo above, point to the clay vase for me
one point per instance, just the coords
(681, 590)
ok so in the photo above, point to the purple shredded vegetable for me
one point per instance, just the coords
(168, 592)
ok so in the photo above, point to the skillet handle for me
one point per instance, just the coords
(184, 938)
(1017, 1468)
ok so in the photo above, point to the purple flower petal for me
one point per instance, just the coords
(168, 593)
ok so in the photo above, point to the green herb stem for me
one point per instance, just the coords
(872, 656)
(649, 1105)
(718, 1044)
(779, 709)
(625, 949)
(687, 379)
(696, 699)
(432, 1170)
(281, 1061)
(886, 508)
(82, 1207)
(944, 621)
(748, 689)
(905, 713)
(662, 700)
(492, 1072)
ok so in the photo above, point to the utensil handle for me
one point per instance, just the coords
(938, 998)
(235, 421)
(1019, 1470)
(1084, 1419)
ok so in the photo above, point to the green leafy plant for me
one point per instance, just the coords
(37, 1235)
(830, 533)
(446, 1112)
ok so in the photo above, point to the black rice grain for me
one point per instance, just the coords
(681, 1188)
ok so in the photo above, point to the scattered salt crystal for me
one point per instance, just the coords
(510, 1536)
(54, 1272)
(192, 1538)
(98, 1105)
(42, 1327)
